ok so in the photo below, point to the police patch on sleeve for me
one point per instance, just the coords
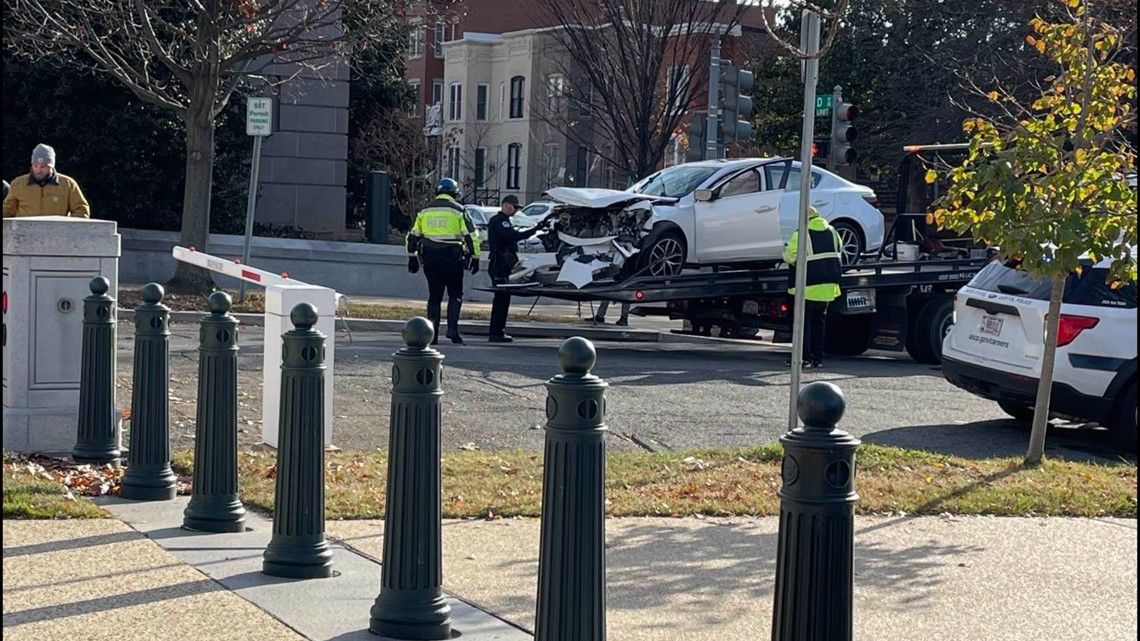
(507, 224)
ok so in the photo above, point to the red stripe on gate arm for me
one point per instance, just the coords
(245, 273)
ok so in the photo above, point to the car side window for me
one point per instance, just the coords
(1094, 287)
(747, 182)
(775, 174)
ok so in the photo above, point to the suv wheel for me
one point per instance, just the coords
(1017, 411)
(1122, 429)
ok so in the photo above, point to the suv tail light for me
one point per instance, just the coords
(1071, 327)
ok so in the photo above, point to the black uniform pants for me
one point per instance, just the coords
(500, 309)
(815, 326)
(444, 272)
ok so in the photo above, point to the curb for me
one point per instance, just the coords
(472, 328)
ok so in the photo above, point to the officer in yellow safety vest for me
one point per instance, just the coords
(823, 271)
(443, 237)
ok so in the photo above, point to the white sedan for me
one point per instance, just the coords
(481, 215)
(735, 211)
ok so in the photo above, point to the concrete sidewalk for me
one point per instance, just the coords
(968, 578)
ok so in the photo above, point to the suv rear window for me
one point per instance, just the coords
(1090, 287)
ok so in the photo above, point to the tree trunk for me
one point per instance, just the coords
(196, 197)
(1045, 386)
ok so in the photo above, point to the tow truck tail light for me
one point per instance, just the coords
(1071, 326)
(639, 294)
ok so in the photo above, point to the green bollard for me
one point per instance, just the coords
(214, 503)
(411, 604)
(298, 549)
(148, 476)
(97, 440)
(571, 556)
(814, 557)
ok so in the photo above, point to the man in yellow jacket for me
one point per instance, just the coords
(44, 191)
(823, 271)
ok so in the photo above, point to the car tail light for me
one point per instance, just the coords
(872, 200)
(1071, 327)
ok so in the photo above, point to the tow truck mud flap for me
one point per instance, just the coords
(888, 328)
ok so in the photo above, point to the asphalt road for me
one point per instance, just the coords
(662, 396)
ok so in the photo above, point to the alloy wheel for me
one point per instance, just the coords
(666, 257)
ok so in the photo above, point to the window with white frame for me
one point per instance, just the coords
(502, 100)
(455, 102)
(482, 100)
(555, 92)
(437, 40)
(514, 165)
(416, 41)
(437, 92)
(456, 30)
(677, 87)
(453, 163)
(518, 89)
(414, 92)
(584, 97)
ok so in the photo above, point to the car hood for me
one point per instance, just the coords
(596, 198)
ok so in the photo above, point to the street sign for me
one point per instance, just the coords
(259, 117)
(823, 104)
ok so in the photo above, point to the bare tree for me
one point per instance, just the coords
(616, 58)
(191, 57)
(394, 142)
(477, 136)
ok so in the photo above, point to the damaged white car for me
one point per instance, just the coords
(737, 212)
(595, 236)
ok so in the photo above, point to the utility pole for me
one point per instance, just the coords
(809, 44)
(714, 88)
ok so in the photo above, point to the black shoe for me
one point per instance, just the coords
(817, 364)
(456, 338)
(500, 339)
(622, 323)
(598, 319)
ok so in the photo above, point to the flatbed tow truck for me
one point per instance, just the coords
(886, 304)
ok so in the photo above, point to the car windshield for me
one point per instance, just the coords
(535, 210)
(522, 221)
(477, 216)
(674, 182)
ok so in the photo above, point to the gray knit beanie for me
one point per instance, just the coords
(44, 154)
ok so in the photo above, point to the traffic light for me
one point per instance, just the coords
(735, 105)
(698, 136)
(843, 133)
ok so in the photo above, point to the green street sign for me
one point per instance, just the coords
(823, 103)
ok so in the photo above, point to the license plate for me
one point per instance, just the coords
(858, 300)
(991, 325)
(751, 307)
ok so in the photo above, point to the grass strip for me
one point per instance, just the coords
(722, 482)
(31, 497)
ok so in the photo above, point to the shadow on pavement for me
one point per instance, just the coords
(1003, 438)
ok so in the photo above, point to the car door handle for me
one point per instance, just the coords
(765, 209)
(819, 203)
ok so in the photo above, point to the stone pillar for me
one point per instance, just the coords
(49, 262)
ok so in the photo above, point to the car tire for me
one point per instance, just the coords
(1122, 428)
(853, 244)
(663, 255)
(924, 340)
(1017, 411)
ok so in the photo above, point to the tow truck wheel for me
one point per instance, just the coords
(924, 340)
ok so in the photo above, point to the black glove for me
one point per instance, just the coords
(413, 264)
(474, 265)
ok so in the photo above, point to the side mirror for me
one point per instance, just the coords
(703, 195)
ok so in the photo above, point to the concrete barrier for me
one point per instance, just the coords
(349, 268)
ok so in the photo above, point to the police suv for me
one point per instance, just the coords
(995, 347)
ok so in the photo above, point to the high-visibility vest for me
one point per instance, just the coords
(823, 262)
(443, 222)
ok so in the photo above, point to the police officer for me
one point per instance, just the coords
(503, 239)
(822, 286)
(442, 237)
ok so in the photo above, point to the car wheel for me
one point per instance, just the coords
(1017, 411)
(664, 255)
(851, 242)
(1122, 430)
